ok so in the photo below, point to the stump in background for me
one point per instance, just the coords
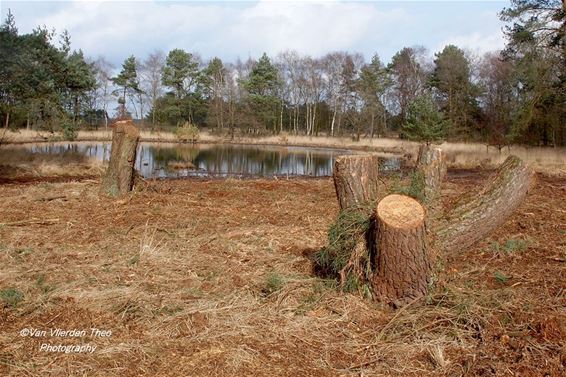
(119, 178)
(476, 215)
(356, 179)
(403, 268)
(431, 165)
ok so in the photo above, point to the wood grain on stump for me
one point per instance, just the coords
(119, 177)
(403, 268)
(356, 179)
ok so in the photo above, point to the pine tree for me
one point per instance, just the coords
(452, 79)
(128, 82)
(424, 122)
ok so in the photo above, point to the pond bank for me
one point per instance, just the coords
(460, 155)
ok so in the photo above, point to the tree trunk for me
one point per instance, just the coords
(372, 121)
(431, 165)
(475, 215)
(402, 270)
(333, 120)
(119, 178)
(356, 180)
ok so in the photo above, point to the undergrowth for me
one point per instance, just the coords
(346, 257)
(415, 189)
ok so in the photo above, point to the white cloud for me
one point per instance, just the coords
(476, 42)
(117, 29)
(230, 29)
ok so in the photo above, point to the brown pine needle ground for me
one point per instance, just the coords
(213, 278)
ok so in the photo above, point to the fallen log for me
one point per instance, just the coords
(402, 268)
(356, 180)
(119, 177)
(475, 215)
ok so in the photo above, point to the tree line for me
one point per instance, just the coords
(517, 95)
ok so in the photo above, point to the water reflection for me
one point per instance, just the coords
(162, 160)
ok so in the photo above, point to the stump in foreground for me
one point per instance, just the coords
(477, 214)
(402, 269)
(393, 252)
(356, 179)
(119, 178)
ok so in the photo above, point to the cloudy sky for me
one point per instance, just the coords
(241, 29)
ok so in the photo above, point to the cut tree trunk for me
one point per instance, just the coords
(357, 184)
(356, 180)
(475, 215)
(402, 270)
(431, 165)
(119, 178)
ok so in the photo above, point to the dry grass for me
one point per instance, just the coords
(460, 155)
(204, 278)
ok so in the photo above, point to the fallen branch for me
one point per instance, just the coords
(50, 198)
(477, 214)
(31, 222)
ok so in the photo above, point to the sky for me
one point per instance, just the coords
(117, 29)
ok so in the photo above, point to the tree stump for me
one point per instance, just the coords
(475, 215)
(395, 254)
(431, 165)
(402, 270)
(356, 180)
(119, 177)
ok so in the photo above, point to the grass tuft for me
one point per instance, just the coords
(11, 296)
(273, 283)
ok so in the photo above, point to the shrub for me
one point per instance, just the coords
(187, 132)
(69, 130)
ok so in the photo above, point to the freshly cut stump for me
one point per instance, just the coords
(356, 180)
(119, 178)
(477, 214)
(403, 268)
(431, 164)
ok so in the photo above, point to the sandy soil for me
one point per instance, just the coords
(213, 278)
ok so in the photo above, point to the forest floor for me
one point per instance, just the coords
(214, 278)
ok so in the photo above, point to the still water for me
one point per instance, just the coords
(167, 160)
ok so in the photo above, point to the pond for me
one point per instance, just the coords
(169, 160)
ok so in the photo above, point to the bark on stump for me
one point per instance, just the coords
(403, 268)
(477, 214)
(431, 165)
(356, 180)
(119, 178)
(357, 184)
